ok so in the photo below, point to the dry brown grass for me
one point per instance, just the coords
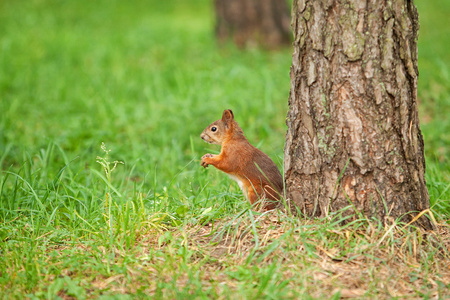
(311, 258)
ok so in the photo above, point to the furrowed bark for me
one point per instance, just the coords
(353, 129)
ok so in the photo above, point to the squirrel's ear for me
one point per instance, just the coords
(227, 116)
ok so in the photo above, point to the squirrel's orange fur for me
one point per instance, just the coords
(242, 161)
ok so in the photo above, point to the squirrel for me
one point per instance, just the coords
(257, 175)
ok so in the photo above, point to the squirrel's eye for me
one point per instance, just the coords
(214, 129)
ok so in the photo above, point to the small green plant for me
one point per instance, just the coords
(106, 164)
(108, 168)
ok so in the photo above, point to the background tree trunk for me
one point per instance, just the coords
(353, 99)
(253, 22)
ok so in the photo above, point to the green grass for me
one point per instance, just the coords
(145, 78)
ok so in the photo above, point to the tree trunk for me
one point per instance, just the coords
(353, 130)
(253, 22)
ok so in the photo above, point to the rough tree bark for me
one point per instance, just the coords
(253, 22)
(353, 129)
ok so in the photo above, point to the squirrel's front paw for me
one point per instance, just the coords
(203, 162)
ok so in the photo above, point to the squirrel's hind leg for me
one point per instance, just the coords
(252, 196)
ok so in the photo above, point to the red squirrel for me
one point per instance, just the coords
(242, 161)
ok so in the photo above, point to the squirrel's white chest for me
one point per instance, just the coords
(240, 183)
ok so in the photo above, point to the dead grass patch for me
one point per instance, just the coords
(321, 259)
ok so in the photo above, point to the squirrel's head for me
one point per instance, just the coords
(217, 132)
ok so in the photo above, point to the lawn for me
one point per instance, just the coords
(101, 191)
